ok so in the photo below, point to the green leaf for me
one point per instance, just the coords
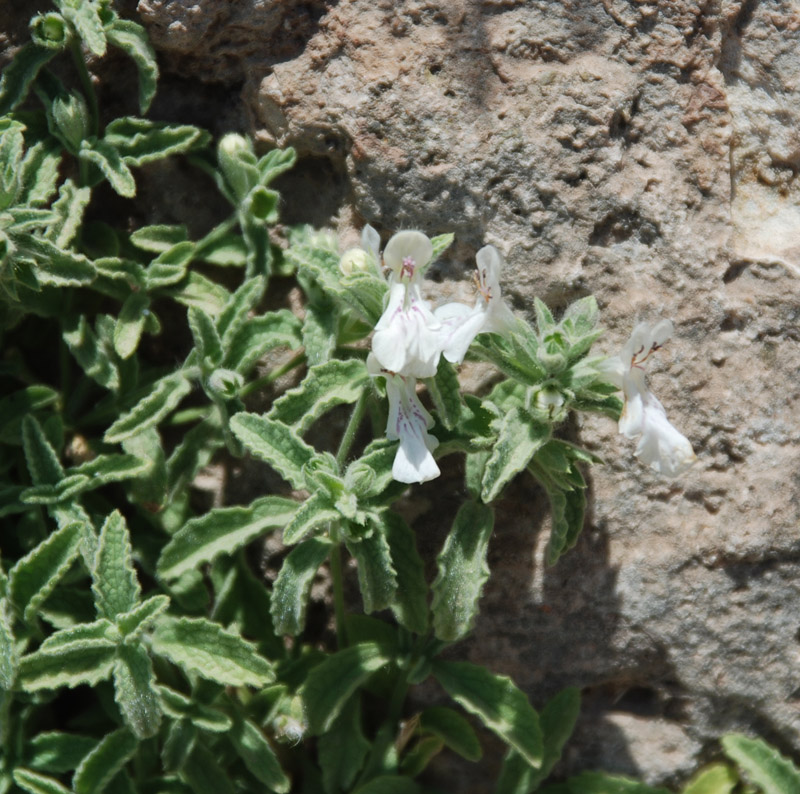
(35, 783)
(309, 515)
(568, 509)
(222, 531)
(85, 18)
(63, 491)
(19, 75)
(101, 629)
(159, 238)
(325, 386)
(99, 767)
(67, 212)
(275, 163)
(197, 290)
(235, 313)
(258, 756)
(205, 648)
(601, 783)
(94, 357)
(558, 720)
(274, 443)
(130, 324)
(141, 141)
(343, 749)
(105, 156)
(8, 651)
(762, 764)
(39, 173)
(169, 267)
(440, 244)
(463, 571)
(453, 730)
(115, 586)
(57, 752)
(43, 463)
(293, 585)
(132, 39)
(142, 616)
(135, 692)
(519, 436)
(714, 779)
(148, 412)
(179, 706)
(259, 335)
(71, 664)
(204, 775)
(206, 338)
(53, 265)
(389, 784)
(410, 605)
(445, 391)
(35, 576)
(222, 248)
(377, 577)
(320, 330)
(330, 684)
(110, 468)
(497, 702)
(14, 407)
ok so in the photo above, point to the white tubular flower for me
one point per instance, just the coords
(660, 445)
(489, 315)
(407, 338)
(408, 423)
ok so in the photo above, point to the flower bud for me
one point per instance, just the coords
(354, 260)
(237, 161)
(70, 117)
(49, 30)
(225, 383)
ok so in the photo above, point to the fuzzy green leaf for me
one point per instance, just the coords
(159, 238)
(463, 571)
(106, 157)
(567, 511)
(36, 783)
(179, 706)
(325, 386)
(453, 730)
(92, 354)
(115, 586)
(56, 266)
(762, 764)
(43, 463)
(377, 577)
(235, 313)
(445, 390)
(320, 330)
(130, 324)
(85, 18)
(197, 290)
(389, 784)
(39, 173)
(222, 531)
(714, 779)
(558, 720)
(204, 775)
(64, 490)
(148, 412)
(206, 338)
(8, 651)
(15, 406)
(19, 75)
(205, 648)
(67, 211)
(258, 756)
(440, 244)
(99, 767)
(259, 335)
(602, 783)
(142, 615)
(330, 684)
(293, 585)
(141, 141)
(343, 749)
(274, 443)
(132, 39)
(275, 163)
(57, 752)
(497, 702)
(169, 267)
(519, 436)
(35, 576)
(312, 513)
(410, 605)
(110, 468)
(69, 664)
(222, 248)
(135, 692)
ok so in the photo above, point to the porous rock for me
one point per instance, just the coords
(645, 152)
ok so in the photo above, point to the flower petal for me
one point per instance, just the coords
(408, 244)
(661, 446)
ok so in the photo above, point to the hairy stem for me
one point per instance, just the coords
(352, 428)
(338, 586)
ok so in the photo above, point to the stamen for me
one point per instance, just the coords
(486, 292)
(408, 267)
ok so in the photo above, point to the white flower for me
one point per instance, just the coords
(408, 423)
(643, 417)
(489, 315)
(407, 338)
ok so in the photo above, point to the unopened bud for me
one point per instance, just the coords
(354, 260)
(49, 30)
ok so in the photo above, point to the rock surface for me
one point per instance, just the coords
(646, 152)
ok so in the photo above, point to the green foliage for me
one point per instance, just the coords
(762, 764)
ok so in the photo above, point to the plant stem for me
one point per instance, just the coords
(352, 428)
(338, 586)
(272, 376)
